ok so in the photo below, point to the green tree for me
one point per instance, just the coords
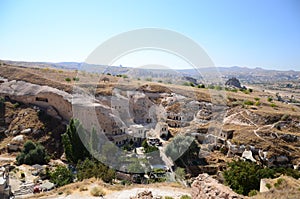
(61, 176)
(73, 145)
(180, 173)
(244, 177)
(93, 168)
(32, 154)
(148, 148)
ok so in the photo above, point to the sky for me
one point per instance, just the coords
(248, 33)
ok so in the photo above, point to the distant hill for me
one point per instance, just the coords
(209, 74)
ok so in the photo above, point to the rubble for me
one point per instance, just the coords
(204, 187)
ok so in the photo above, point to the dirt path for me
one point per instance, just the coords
(156, 192)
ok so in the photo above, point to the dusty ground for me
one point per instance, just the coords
(82, 190)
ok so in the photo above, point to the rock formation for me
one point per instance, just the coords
(206, 187)
(233, 82)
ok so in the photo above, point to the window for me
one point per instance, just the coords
(41, 99)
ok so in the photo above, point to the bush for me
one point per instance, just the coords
(61, 176)
(257, 103)
(185, 197)
(68, 79)
(148, 148)
(92, 168)
(268, 186)
(76, 79)
(186, 84)
(252, 193)
(270, 99)
(279, 182)
(246, 91)
(16, 105)
(256, 98)
(248, 102)
(218, 88)
(32, 154)
(180, 173)
(191, 84)
(273, 105)
(201, 86)
(97, 191)
(168, 197)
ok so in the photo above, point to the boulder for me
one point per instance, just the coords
(18, 139)
(26, 131)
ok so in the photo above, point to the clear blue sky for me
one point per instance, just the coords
(252, 33)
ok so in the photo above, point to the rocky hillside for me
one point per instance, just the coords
(24, 122)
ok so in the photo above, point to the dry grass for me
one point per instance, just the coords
(281, 188)
(97, 191)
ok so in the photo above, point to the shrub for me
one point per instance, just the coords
(186, 84)
(180, 173)
(149, 79)
(218, 88)
(248, 102)
(273, 105)
(159, 81)
(257, 103)
(270, 99)
(168, 197)
(268, 186)
(61, 176)
(16, 105)
(97, 191)
(148, 148)
(125, 76)
(279, 182)
(252, 193)
(32, 154)
(211, 86)
(92, 168)
(250, 90)
(76, 79)
(68, 79)
(200, 86)
(256, 98)
(245, 91)
(185, 197)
